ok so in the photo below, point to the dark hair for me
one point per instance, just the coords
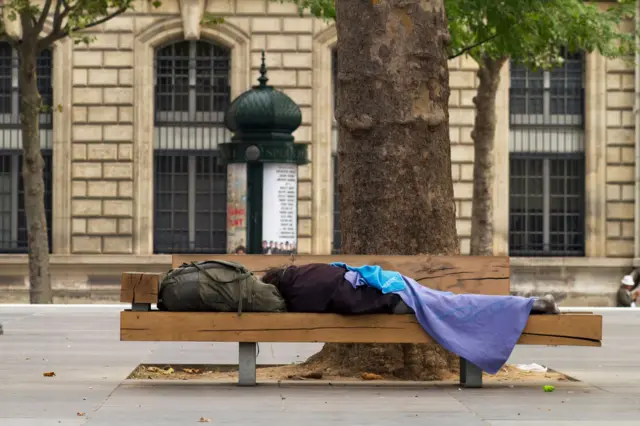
(274, 275)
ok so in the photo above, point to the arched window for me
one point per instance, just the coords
(192, 93)
(547, 160)
(336, 245)
(13, 220)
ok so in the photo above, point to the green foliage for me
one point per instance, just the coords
(67, 18)
(209, 19)
(531, 32)
(323, 9)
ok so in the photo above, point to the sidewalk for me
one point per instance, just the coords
(80, 344)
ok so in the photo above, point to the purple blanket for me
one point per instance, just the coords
(481, 329)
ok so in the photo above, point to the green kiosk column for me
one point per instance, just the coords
(263, 156)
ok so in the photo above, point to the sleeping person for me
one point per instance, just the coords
(332, 288)
(483, 329)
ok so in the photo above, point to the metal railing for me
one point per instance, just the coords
(551, 107)
(10, 135)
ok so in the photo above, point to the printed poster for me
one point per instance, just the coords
(237, 208)
(280, 209)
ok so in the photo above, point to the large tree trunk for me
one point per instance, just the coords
(483, 135)
(32, 167)
(396, 192)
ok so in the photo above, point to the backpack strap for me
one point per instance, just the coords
(244, 273)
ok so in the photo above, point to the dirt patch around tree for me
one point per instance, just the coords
(303, 372)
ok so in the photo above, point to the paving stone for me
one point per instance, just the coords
(81, 345)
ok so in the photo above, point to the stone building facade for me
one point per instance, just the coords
(138, 116)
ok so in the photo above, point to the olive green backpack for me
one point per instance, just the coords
(217, 286)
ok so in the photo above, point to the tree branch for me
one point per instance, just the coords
(54, 35)
(45, 12)
(59, 33)
(96, 22)
(473, 46)
(57, 16)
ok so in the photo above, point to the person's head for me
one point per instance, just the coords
(627, 282)
(265, 244)
(240, 250)
(274, 275)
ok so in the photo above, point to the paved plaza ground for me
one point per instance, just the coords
(80, 344)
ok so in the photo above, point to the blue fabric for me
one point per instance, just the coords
(480, 328)
(375, 276)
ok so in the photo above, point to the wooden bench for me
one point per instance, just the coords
(462, 274)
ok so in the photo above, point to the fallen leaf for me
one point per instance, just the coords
(153, 369)
(168, 371)
(191, 371)
(549, 388)
(204, 420)
(314, 375)
(371, 376)
(49, 374)
(80, 414)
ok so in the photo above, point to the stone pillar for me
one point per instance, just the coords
(102, 142)
(617, 123)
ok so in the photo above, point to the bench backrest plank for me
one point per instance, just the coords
(458, 274)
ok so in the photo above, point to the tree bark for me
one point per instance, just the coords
(483, 135)
(32, 168)
(394, 156)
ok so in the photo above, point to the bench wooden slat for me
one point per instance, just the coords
(566, 329)
(458, 274)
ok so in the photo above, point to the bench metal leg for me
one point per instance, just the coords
(470, 374)
(247, 364)
(140, 307)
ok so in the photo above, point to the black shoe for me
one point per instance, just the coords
(545, 305)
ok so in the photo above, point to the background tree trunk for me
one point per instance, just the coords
(32, 167)
(483, 135)
(396, 192)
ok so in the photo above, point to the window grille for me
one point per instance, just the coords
(547, 161)
(13, 220)
(192, 93)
